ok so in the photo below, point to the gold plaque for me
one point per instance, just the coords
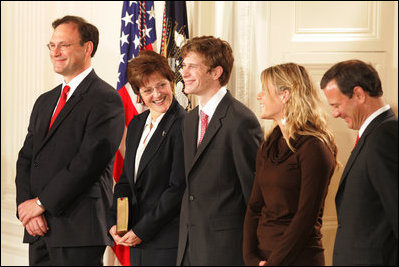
(122, 216)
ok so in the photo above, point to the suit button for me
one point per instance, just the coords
(35, 164)
(191, 197)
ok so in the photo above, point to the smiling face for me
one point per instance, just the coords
(342, 106)
(196, 75)
(157, 94)
(271, 103)
(74, 58)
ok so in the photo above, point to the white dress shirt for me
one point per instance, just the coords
(73, 84)
(149, 129)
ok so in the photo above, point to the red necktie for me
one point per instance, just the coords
(61, 104)
(204, 125)
(357, 139)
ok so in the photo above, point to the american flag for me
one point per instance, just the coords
(137, 33)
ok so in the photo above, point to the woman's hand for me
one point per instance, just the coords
(128, 239)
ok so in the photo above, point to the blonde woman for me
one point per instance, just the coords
(294, 166)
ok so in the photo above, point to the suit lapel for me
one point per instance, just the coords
(191, 133)
(356, 151)
(214, 125)
(157, 138)
(73, 100)
(77, 96)
(47, 112)
(134, 136)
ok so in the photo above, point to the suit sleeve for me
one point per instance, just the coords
(101, 139)
(245, 144)
(24, 161)
(122, 187)
(382, 167)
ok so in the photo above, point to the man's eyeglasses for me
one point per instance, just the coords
(61, 47)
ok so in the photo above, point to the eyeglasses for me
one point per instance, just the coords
(150, 90)
(62, 47)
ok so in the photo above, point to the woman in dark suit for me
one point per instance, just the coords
(294, 166)
(153, 171)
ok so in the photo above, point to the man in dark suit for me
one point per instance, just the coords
(64, 169)
(221, 138)
(367, 196)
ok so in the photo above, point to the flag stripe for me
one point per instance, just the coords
(130, 109)
(118, 166)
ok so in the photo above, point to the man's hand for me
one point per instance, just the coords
(37, 226)
(129, 239)
(29, 209)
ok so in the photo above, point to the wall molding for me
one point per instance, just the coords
(370, 31)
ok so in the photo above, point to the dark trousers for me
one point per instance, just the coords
(140, 256)
(40, 254)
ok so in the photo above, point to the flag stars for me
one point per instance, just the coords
(151, 13)
(121, 60)
(124, 38)
(147, 31)
(136, 42)
(127, 19)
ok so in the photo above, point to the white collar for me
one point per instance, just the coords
(155, 122)
(74, 83)
(372, 117)
(210, 107)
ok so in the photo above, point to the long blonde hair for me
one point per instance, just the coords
(303, 113)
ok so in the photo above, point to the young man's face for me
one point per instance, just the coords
(196, 75)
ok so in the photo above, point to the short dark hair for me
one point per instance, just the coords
(88, 32)
(351, 73)
(215, 51)
(147, 63)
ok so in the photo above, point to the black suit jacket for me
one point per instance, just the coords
(219, 178)
(155, 198)
(70, 167)
(367, 198)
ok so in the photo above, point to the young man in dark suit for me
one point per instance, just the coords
(221, 138)
(367, 196)
(64, 169)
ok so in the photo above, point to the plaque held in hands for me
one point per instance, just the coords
(122, 215)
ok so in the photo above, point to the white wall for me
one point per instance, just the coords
(261, 34)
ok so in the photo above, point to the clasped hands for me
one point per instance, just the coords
(128, 239)
(32, 218)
